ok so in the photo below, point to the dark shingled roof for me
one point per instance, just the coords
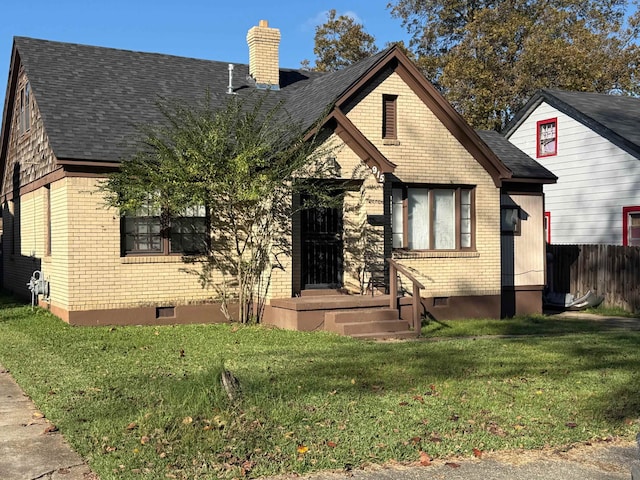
(92, 99)
(521, 164)
(615, 117)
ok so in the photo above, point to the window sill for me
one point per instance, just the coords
(407, 254)
(136, 259)
(390, 141)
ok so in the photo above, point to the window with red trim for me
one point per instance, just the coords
(547, 137)
(631, 226)
(547, 226)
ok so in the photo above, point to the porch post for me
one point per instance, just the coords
(387, 234)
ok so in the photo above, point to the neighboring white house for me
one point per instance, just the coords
(591, 142)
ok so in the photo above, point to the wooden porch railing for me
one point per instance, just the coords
(394, 268)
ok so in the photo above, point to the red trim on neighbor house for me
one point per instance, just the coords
(625, 222)
(547, 218)
(539, 126)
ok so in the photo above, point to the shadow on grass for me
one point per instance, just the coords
(529, 325)
(400, 366)
(9, 301)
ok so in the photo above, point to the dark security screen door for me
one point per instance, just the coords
(321, 247)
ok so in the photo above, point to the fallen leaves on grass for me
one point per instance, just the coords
(495, 429)
(425, 460)
(452, 465)
(302, 449)
(477, 453)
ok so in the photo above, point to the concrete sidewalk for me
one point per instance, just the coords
(28, 450)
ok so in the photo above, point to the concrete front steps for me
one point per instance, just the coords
(359, 316)
(378, 322)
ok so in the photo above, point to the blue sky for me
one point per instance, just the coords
(208, 29)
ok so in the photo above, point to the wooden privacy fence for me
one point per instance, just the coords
(610, 271)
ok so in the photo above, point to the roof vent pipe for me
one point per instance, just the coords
(230, 87)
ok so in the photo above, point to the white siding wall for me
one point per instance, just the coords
(595, 180)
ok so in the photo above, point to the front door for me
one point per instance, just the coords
(321, 246)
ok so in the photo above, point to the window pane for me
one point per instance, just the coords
(465, 219)
(418, 218)
(396, 218)
(444, 220)
(142, 234)
(547, 138)
(189, 233)
(634, 229)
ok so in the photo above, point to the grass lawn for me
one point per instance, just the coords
(525, 325)
(146, 402)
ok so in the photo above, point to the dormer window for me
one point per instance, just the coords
(547, 138)
(389, 117)
(24, 114)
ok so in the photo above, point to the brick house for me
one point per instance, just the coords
(459, 213)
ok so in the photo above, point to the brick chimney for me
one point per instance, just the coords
(263, 55)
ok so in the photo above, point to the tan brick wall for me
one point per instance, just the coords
(56, 266)
(98, 277)
(263, 53)
(426, 152)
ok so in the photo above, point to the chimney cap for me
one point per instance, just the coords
(263, 23)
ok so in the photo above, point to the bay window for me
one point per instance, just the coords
(432, 218)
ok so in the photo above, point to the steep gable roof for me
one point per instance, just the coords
(93, 99)
(522, 165)
(614, 117)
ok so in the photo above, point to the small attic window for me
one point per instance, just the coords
(24, 115)
(389, 117)
(547, 138)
